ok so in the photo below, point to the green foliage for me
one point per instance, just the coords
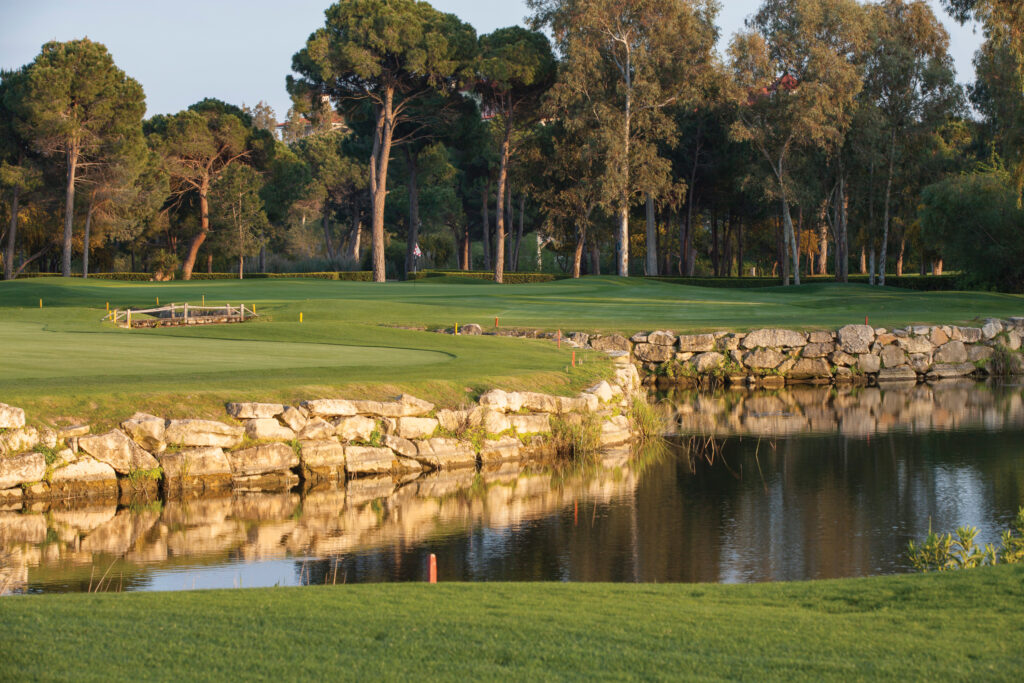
(139, 476)
(575, 439)
(942, 552)
(647, 420)
(1003, 362)
(470, 275)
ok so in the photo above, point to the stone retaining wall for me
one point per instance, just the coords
(272, 447)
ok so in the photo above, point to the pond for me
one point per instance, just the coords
(803, 483)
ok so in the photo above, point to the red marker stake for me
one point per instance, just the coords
(865, 320)
(495, 322)
(574, 359)
(433, 568)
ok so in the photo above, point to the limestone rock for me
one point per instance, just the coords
(416, 427)
(505, 448)
(696, 343)
(661, 338)
(1013, 340)
(707, 362)
(471, 329)
(856, 339)
(821, 337)
(317, 429)
(951, 352)
(590, 402)
(441, 453)
(653, 353)
(602, 390)
(611, 342)
(639, 338)
(763, 359)
(892, 356)
(21, 469)
(970, 335)
(818, 350)
(203, 433)
(117, 450)
(18, 440)
(404, 447)
(326, 458)
(84, 477)
(774, 338)
(147, 431)
(330, 407)
(11, 417)
(531, 424)
(842, 359)
(354, 428)
(186, 468)
(938, 336)
(578, 404)
(869, 363)
(495, 422)
(810, 368)
(977, 352)
(915, 344)
(616, 431)
(900, 373)
(460, 420)
(293, 418)
(251, 411)
(991, 328)
(267, 429)
(920, 362)
(539, 403)
(948, 370)
(501, 401)
(271, 457)
(363, 460)
(65, 433)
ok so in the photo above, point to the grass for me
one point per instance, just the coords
(62, 362)
(955, 625)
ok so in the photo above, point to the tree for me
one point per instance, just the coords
(19, 171)
(263, 116)
(625, 61)
(238, 212)
(196, 146)
(515, 69)
(75, 101)
(796, 86)
(389, 53)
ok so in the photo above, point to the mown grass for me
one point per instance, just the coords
(62, 361)
(962, 625)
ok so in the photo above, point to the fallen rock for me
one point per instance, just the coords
(268, 429)
(117, 450)
(856, 339)
(251, 411)
(774, 338)
(11, 417)
(293, 418)
(203, 433)
(21, 469)
(271, 457)
(330, 407)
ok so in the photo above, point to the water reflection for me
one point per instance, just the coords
(735, 504)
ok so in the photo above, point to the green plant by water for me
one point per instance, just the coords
(942, 552)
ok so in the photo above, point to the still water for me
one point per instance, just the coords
(798, 484)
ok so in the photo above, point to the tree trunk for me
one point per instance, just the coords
(519, 232)
(899, 256)
(11, 235)
(209, 263)
(354, 238)
(739, 248)
(414, 212)
(595, 258)
(822, 266)
(622, 235)
(651, 262)
(241, 266)
(379, 160)
(789, 238)
(69, 208)
(85, 241)
(499, 237)
(577, 254)
(487, 226)
(937, 266)
(467, 249)
(204, 230)
(263, 258)
(871, 265)
(326, 225)
(863, 262)
(510, 226)
(726, 257)
(885, 220)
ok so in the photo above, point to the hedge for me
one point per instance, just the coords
(509, 278)
(928, 283)
(349, 276)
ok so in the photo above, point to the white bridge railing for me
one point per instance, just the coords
(180, 314)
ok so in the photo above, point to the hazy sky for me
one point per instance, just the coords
(240, 51)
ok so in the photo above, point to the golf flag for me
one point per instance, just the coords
(416, 250)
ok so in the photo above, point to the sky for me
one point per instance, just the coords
(240, 51)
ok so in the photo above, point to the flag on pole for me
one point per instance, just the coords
(416, 250)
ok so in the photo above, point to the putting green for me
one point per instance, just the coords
(35, 352)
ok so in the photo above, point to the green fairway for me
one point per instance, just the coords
(62, 360)
(958, 625)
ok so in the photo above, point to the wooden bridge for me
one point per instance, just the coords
(173, 315)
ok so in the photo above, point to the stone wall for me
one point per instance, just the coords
(272, 447)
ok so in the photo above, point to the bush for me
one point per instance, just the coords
(510, 278)
(942, 552)
(927, 283)
(575, 439)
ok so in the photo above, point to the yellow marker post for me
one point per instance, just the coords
(158, 301)
(40, 303)
(108, 307)
(204, 299)
(300, 316)
(456, 328)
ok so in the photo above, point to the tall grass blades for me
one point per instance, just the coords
(648, 420)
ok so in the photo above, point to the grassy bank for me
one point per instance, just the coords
(949, 626)
(62, 361)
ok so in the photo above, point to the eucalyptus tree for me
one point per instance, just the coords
(388, 53)
(75, 102)
(19, 167)
(515, 69)
(797, 80)
(623, 63)
(239, 215)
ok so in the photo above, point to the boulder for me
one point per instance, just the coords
(602, 390)
(855, 339)
(21, 469)
(203, 433)
(354, 428)
(539, 403)
(949, 370)
(915, 344)
(615, 431)
(900, 373)
(192, 466)
(639, 338)
(842, 359)
(147, 431)
(539, 423)
(810, 368)
(951, 352)
(1013, 340)
(11, 417)
(471, 329)
(293, 418)
(590, 402)
(441, 453)
(330, 407)
(706, 362)
(610, 342)
(405, 406)
(977, 352)
(653, 353)
(938, 336)
(661, 338)
(18, 440)
(774, 338)
(85, 477)
(325, 458)
(970, 335)
(502, 449)
(75, 431)
(252, 411)
(869, 363)
(117, 450)
(364, 460)
(991, 328)
(460, 420)
(502, 401)
(416, 427)
(403, 447)
(317, 429)
(821, 337)
(696, 343)
(920, 362)
(893, 355)
(763, 359)
(579, 404)
(818, 350)
(495, 422)
(267, 429)
(271, 457)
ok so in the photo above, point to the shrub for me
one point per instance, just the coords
(647, 419)
(575, 439)
(942, 552)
